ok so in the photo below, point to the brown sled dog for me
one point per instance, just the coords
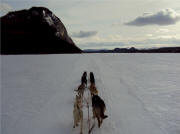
(78, 113)
(99, 108)
(84, 78)
(93, 89)
(80, 90)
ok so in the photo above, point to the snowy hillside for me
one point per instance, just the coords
(141, 92)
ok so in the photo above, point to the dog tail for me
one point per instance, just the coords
(105, 116)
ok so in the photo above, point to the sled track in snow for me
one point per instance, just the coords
(131, 107)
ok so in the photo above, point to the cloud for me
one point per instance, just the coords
(149, 35)
(162, 30)
(160, 41)
(99, 39)
(84, 34)
(163, 17)
(5, 8)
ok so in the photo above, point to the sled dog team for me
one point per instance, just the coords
(98, 105)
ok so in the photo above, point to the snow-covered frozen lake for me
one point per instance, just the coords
(141, 92)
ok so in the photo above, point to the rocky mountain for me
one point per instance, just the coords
(34, 31)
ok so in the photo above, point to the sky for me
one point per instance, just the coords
(109, 24)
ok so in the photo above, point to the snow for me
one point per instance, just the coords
(141, 92)
(49, 20)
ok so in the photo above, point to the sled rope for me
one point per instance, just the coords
(89, 121)
(88, 112)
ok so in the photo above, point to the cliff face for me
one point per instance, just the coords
(34, 31)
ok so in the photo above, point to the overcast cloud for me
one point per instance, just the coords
(84, 34)
(4, 8)
(147, 43)
(163, 17)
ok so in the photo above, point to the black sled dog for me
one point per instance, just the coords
(98, 108)
(92, 80)
(84, 79)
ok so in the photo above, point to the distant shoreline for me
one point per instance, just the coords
(135, 50)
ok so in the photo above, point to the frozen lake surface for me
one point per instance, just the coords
(141, 92)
